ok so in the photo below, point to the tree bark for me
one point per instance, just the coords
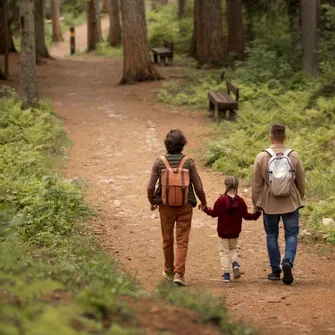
(11, 47)
(181, 8)
(105, 6)
(209, 33)
(293, 12)
(236, 40)
(249, 16)
(309, 21)
(94, 34)
(2, 75)
(114, 36)
(193, 46)
(137, 65)
(41, 48)
(28, 54)
(56, 27)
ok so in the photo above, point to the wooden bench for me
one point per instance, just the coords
(223, 102)
(164, 53)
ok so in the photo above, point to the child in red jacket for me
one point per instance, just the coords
(230, 209)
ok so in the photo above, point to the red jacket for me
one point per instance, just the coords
(230, 212)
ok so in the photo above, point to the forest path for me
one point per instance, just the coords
(117, 133)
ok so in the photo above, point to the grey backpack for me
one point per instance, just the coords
(280, 173)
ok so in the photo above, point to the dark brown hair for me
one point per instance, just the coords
(277, 131)
(231, 183)
(175, 141)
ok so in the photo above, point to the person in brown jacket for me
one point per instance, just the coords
(269, 194)
(181, 216)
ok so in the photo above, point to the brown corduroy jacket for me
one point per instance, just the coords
(261, 196)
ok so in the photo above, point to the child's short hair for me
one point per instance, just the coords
(231, 183)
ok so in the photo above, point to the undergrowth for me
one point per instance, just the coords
(54, 279)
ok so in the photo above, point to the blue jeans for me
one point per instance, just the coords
(291, 226)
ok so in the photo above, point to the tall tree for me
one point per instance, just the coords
(309, 24)
(28, 54)
(94, 34)
(3, 30)
(137, 65)
(105, 6)
(209, 33)
(181, 8)
(114, 36)
(56, 27)
(41, 48)
(193, 46)
(236, 40)
(293, 12)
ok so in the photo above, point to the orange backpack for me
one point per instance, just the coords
(175, 183)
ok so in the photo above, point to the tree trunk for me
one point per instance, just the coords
(137, 65)
(11, 47)
(94, 34)
(41, 48)
(236, 41)
(114, 36)
(28, 54)
(162, 2)
(56, 27)
(2, 75)
(181, 8)
(105, 6)
(209, 33)
(293, 12)
(249, 16)
(309, 21)
(193, 46)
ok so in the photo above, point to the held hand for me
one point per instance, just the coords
(153, 207)
(257, 210)
(202, 207)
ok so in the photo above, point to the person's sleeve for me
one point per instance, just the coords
(152, 182)
(300, 178)
(214, 213)
(246, 215)
(257, 181)
(197, 183)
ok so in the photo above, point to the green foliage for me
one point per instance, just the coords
(209, 310)
(47, 204)
(163, 23)
(104, 49)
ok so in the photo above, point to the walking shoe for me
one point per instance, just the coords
(274, 276)
(168, 275)
(179, 280)
(226, 277)
(287, 269)
(236, 270)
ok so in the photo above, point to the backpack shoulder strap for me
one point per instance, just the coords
(165, 161)
(288, 152)
(182, 162)
(270, 152)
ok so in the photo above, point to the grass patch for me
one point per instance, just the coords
(210, 311)
(105, 50)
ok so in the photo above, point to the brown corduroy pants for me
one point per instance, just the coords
(182, 217)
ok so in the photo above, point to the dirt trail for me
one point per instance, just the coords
(117, 132)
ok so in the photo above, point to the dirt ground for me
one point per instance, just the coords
(117, 132)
